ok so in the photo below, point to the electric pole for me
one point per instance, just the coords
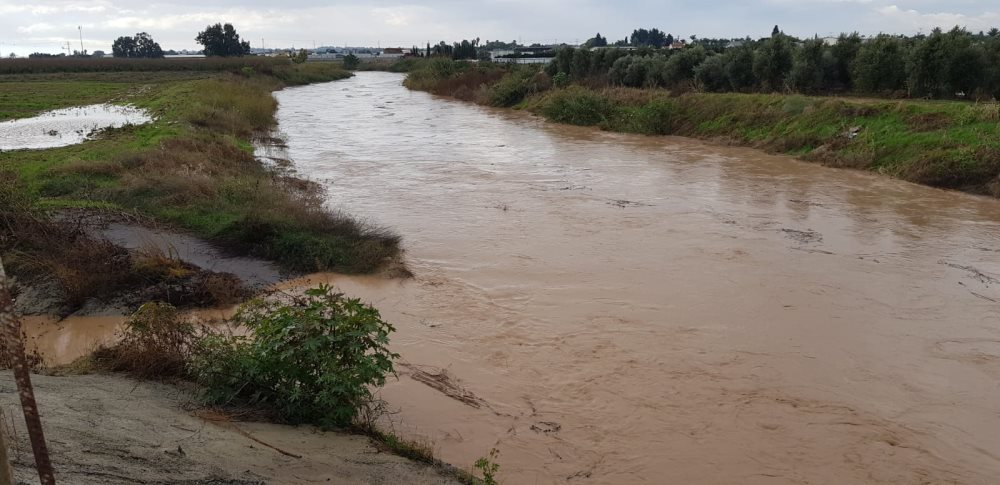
(80, 28)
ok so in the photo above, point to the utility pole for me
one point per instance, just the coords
(80, 28)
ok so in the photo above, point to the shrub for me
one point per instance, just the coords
(560, 80)
(576, 106)
(351, 61)
(156, 343)
(510, 90)
(313, 360)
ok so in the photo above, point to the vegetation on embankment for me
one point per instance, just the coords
(312, 359)
(192, 167)
(948, 144)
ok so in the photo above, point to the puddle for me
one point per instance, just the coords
(64, 127)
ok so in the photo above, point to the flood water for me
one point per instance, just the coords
(608, 308)
(63, 127)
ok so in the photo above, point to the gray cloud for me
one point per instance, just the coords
(47, 25)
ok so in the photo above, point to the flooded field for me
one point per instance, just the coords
(608, 308)
(63, 127)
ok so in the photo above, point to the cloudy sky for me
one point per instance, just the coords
(28, 26)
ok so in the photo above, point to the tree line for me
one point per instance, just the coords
(941, 64)
(217, 41)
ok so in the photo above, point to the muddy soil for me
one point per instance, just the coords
(104, 429)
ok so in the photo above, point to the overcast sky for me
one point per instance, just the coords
(28, 26)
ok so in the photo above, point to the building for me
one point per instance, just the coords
(392, 52)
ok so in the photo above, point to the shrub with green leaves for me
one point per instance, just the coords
(560, 80)
(314, 360)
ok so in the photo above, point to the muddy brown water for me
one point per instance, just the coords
(606, 308)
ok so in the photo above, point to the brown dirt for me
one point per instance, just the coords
(111, 430)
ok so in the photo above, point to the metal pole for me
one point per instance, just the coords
(6, 472)
(22, 375)
(80, 28)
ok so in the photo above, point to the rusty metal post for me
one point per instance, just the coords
(6, 471)
(11, 327)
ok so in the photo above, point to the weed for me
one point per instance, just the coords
(488, 466)
(156, 342)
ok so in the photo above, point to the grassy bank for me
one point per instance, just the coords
(947, 144)
(193, 167)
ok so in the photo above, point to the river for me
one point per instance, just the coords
(607, 308)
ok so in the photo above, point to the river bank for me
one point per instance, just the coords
(176, 209)
(945, 144)
(191, 168)
(113, 430)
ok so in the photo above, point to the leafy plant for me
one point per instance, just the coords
(560, 80)
(488, 466)
(314, 360)
(351, 61)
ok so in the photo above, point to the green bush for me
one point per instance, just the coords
(577, 106)
(314, 360)
(510, 90)
(560, 80)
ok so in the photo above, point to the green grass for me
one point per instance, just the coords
(193, 166)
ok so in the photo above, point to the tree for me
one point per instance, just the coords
(880, 65)
(351, 61)
(992, 61)
(465, 49)
(772, 61)
(142, 45)
(123, 46)
(651, 38)
(223, 41)
(596, 41)
(300, 57)
(680, 67)
(711, 74)
(581, 64)
(776, 32)
(845, 51)
(807, 71)
(739, 69)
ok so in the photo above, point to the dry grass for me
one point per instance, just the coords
(155, 344)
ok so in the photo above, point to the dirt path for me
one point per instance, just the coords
(112, 430)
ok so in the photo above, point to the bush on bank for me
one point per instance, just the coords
(312, 360)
